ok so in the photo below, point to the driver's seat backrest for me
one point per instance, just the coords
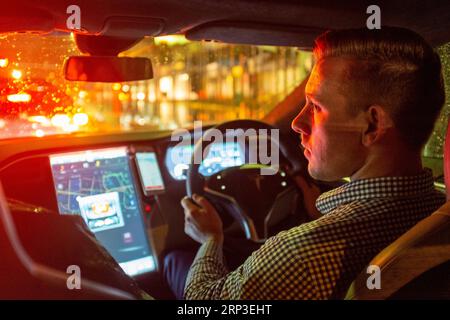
(416, 265)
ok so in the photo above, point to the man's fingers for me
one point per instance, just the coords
(191, 216)
(187, 204)
(204, 203)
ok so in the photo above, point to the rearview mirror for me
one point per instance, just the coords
(107, 69)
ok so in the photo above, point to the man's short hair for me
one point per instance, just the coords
(394, 68)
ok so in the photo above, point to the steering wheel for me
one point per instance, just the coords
(257, 196)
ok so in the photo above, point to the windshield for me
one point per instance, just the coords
(204, 81)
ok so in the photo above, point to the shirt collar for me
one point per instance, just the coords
(383, 187)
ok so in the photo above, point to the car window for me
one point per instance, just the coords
(433, 154)
(206, 81)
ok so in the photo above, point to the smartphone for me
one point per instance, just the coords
(149, 172)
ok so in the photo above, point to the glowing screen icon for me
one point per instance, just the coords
(101, 211)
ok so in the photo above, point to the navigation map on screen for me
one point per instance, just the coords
(98, 186)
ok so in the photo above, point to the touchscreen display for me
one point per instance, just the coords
(149, 172)
(98, 186)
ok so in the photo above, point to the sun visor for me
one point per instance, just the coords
(132, 27)
(256, 34)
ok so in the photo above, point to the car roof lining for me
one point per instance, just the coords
(267, 22)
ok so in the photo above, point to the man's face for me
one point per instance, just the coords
(330, 134)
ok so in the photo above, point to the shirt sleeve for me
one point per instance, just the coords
(275, 271)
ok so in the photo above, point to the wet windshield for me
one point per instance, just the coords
(433, 153)
(204, 81)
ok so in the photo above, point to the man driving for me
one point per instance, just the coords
(371, 102)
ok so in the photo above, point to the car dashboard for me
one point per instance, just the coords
(126, 191)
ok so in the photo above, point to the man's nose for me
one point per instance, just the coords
(302, 122)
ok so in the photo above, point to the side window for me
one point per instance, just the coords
(434, 150)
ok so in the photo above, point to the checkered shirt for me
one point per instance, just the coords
(319, 259)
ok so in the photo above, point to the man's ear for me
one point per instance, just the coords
(378, 122)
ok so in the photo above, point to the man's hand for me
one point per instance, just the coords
(201, 222)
